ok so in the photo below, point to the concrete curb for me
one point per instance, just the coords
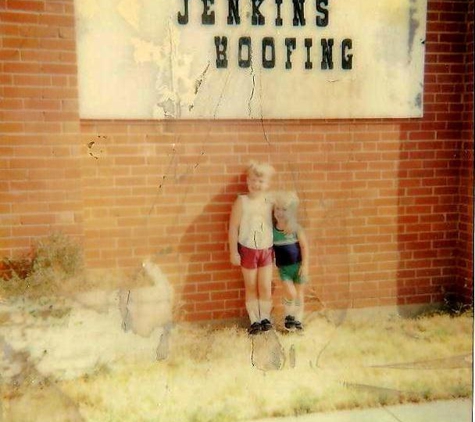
(460, 410)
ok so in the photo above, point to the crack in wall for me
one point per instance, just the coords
(164, 178)
(249, 102)
(199, 81)
(201, 78)
(262, 110)
(220, 99)
(173, 175)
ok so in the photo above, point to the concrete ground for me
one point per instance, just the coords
(436, 411)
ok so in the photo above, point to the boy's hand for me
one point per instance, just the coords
(235, 259)
(291, 227)
(303, 271)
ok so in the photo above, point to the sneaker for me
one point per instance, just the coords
(254, 328)
(266, 325)
(289, 323)
(298, 325)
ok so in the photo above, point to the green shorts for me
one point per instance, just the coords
(291, 273)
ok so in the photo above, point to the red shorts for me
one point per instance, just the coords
(255, 258)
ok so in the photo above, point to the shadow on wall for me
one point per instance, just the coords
(212, 288)
(384, 239)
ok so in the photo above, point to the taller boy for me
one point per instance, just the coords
(250, 244)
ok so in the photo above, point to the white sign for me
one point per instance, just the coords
(250, 59)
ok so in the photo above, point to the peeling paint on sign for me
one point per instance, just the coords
(172, 59)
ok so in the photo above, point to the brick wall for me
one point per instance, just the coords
(386, 203)
(465, 229)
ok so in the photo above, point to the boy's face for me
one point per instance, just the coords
(281, 213)
(257, 184)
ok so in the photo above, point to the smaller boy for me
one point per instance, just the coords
(291, 257)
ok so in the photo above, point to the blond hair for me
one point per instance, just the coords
(287, 199)
(260, 169)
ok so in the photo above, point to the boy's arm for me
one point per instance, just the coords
(302, 238)
(234, 222)
(292, 226)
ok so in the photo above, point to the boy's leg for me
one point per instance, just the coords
(264, 282)
(250, 284)
(288, 299)
(288, 306)
(264, 285)
(289, 290)
(299, 302)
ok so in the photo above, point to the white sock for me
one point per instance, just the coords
(299, 310)
(288, 306)
(265, 306)
(252, 307)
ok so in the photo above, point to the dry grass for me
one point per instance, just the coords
(55, 268)
(209, 375)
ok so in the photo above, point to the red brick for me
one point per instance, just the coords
(23, 5)
(21, 18)
(390, 191)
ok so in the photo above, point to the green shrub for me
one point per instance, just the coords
(53, 260)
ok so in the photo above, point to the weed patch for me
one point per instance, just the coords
(54, 262)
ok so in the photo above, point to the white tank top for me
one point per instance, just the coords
(255, 229)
